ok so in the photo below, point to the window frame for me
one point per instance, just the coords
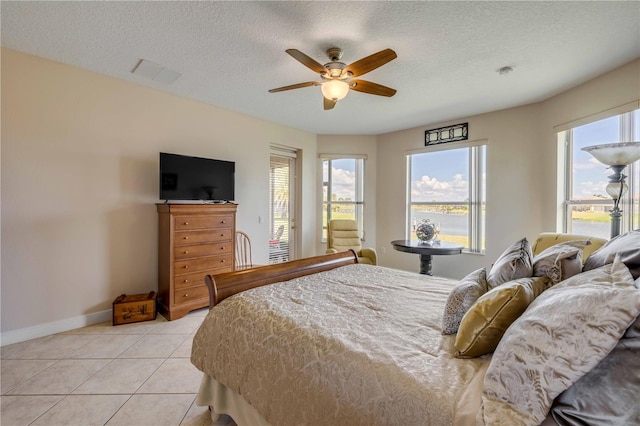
(477, 191)
(359, 202)
(629, 125)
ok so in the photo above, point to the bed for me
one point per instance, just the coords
(328, 341)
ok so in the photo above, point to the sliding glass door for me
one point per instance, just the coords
(282, 183)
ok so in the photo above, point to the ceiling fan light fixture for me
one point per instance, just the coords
(335, 89)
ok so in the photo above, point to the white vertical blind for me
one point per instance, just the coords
(281, 201)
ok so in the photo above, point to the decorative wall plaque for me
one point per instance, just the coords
(457, 132)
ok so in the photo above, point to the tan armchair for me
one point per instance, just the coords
(343, 235)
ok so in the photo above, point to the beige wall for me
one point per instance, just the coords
(80, 183)
(354, 145)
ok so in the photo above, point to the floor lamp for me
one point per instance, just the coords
(617, 156)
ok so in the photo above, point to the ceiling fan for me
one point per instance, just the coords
(337, 76)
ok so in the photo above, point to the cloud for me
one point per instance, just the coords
(343, 184)
(588, 189)
(431, 189)
(588, 165)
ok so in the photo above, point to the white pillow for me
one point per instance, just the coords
(515, 262)
(560, 261)
(561, 336)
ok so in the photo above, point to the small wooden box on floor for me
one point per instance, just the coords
(134, 308)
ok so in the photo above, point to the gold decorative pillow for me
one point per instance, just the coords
(484, 324)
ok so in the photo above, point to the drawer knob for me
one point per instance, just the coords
(186, 238)
(224, 221)
(186, 252)
(222, 235)
(222, 248)
(222, 261)
(186, 223)
(186, 295)
(186, 266)
(186, 281)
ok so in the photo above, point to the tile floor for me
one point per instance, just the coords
(135, 375)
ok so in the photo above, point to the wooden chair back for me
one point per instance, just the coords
(244, 259)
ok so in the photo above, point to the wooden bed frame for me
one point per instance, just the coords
(227, 284)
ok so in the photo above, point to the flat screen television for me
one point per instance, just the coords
(194, 178)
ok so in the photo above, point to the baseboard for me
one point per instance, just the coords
(28, 333)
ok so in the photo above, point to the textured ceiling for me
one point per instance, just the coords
(231, 53)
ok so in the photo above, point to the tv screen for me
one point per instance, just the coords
(193, 178)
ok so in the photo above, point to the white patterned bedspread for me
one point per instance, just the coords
(357, 345)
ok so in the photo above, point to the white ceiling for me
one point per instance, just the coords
(230, 53)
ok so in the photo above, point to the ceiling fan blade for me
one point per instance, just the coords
(294, 86)
(329, 103)
(305, 60)
(370, 63)
(372, 88)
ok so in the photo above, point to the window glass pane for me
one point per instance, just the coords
(590, 175)
(590, 219)
(343, 180)
(440, 176)
(452, 220)
(342, 191)
(587, 203)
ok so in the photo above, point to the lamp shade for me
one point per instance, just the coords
(335, 89)
(615, 154)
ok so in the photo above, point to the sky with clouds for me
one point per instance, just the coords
(590, 175)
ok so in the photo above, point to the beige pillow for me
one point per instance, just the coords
(484, 324)
(560, 261)
(516, 262)
(562, 335)
(461, 298)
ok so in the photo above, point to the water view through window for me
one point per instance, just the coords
(588, 204)
(447, 188)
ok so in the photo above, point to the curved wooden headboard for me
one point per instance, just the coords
(225, 285)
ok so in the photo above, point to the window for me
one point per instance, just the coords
(342, 191)
(447, 186)
(586, 203)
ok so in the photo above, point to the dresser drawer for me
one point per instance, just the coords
(197, 278)
(188, 252)
(196, 237)
(190, 293)
(202, 264)
(189, 223)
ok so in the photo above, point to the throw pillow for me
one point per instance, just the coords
(484, 324)
(627, 246)
(559, 261)
(563, 334)
(516, 262)
(608, 393)
(461, 298)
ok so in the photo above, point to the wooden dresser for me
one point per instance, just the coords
(193, 240)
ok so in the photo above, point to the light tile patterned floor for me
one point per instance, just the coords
(136, 374)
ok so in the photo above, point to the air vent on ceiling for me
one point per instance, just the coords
(155, 72)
